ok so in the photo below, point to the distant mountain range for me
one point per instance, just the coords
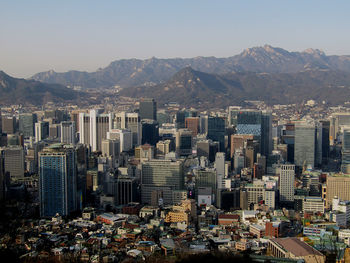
(153, 71)
(32, 92)
(194, 88)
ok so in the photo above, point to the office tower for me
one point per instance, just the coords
(123, 136)
(256, 192)
(206, 177)
(208, 149)
(192, 124)
(130, 121)
(266, 133)
(68, 132)
(238, 160)
(216, 131)
(126, 190)
(220, 169)
(148, 109)
(14, 162)
(54, 131)
(258, 124)
(337, 121)
(41, 130)
(0, 122)
(8, 124)
(180, 119)
(345, 162)
(111, 147)
(163, 117)
(305, 144)
(286, 183)
(163, 148)
(26, 124)
(203, 124)
(161, 175)
(150, 132)
(325, 139)
(288, 138)
(184, 142)
(232, 113)
(238, 141)
(14, 139)
(57, 116)
(94, 127)
(57, 180)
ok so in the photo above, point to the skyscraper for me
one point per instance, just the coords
(184, 142)
(148, 109)
(26, 124)
(305, 143)
(163, 175)
(286, 184)
(345, 162)
(41, 130)
(216, 131)
(8, 125)
(220, 169)
(57, 180)
(150, 132)
(131, 121)
(68, 132)
(94, 127)
(14, 161)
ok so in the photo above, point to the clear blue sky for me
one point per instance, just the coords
(39, 35)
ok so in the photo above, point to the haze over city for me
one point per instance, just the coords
(86, 35)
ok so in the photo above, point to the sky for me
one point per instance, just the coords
(62, 35)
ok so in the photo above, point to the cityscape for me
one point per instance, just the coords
(182, 148)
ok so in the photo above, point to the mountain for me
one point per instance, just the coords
(153, 71)
(31, 92)
(189, 87)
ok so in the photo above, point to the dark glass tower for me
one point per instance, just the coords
(148, 109)
(216, 131)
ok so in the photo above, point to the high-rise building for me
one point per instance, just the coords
(57, 180)
(232, 113)
(126, 190)
(68, 132)
(0, 121)
(111, 147)
(192, 123)
(286, 183)
(54, 131)
(220, 169)
(305, 143)
(94, 127)
(337, 121)
(325, 139)
(258, 124)
(216, 131)
(150, 132)
(184, 142)
(337, 185)
(148, 109)
(163, 148)
(8, 124)
(14, 161)
(345, 162)
(123, 136)
(130, 121)
(41, 130)
(164, 175)
(2, 176)
(208, 149)
(26, 124)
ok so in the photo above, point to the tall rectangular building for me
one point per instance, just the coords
(161, 175)
(41, 130)
(286, 183)
(68, 132)
(14, 162)
(148, 109)
(26, 124)
(345, 162)
(216, 131)
(94, 127)
(130, 121)
(57, 180)
(305, 143)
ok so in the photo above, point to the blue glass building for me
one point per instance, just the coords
(57, 180)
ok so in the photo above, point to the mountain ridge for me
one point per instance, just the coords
(153, 71)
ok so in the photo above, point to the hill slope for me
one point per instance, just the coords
(21, 91)
(193, 88)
